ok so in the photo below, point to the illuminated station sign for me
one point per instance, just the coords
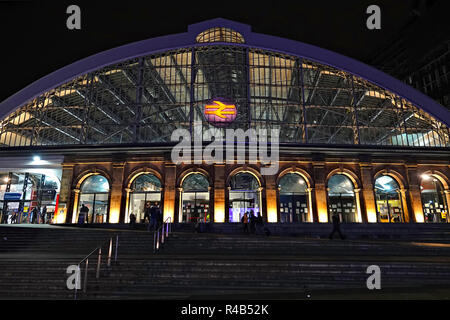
(220, 112)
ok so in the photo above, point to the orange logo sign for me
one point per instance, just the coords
(220, 112)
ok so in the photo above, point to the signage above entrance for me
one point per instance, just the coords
(10, 196)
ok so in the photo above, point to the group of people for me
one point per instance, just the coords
(152, 215)
(256, 223)
(37, 215)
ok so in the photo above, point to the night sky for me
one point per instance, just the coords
(35, 40)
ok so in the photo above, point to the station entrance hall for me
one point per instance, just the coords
(353, 141)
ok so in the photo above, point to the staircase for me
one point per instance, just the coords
(33, 263)
(192, 266)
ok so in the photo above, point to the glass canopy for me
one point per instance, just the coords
(145, 99)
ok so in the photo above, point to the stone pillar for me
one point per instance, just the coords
(271, 199)
(262, 204)
(169, 191)
(404, 199)
(416, 213)
(368, 195)
(320, 191)
(116, 193)
(219, 193)
(76, 198)
(358, 215)
(62, 215)
(311, 216)
(447, 198)
(127, 205)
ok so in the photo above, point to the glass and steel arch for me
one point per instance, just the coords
(141, 92)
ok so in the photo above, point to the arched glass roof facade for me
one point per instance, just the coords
(145, 98)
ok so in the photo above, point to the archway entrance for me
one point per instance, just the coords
(244, 196)
(293, 199)
(388, 200)
(195, 199)
(341, 198)
(435, 207)
(146, 188)
(94, 194)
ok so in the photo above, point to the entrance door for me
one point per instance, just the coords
(293, 208)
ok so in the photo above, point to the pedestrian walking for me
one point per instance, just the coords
(252, 219)
(336, 227)
(82, 216)
(244, 221)
(132, 220)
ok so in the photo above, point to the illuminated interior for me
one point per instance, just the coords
(388, 200)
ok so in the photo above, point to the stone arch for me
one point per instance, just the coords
(141, 171)
(398, 177)
(190, 171)
(246, 169)
(303, 173)
(82, 176)
(443, 179)
(348, 173)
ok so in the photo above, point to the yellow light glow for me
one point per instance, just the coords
(114, 215)
(219, 214)
(323, 216)
(371, 216)
(272, 215)
(419, 218)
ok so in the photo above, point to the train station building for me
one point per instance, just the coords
(353, 141)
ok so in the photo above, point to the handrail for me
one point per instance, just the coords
(86, 259)
(157, 239)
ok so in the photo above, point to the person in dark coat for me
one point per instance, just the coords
(336, 227)
(252, 219)
(44, 214)
(132, 220)
(244, 221)
(147, 210)
(153, 225)
(84, 211)
(34, 215)
(259, 224)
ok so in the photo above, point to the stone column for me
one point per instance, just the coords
(127, 205)
(169, 191)
(368, 194)
(358, 214)
(447, 198)
(320, 192)
(404, 200)
(416, 213)
(115, 203)
(65, 195)
(219, 193)
(311, 216)
(262, 205)
(76, 197)
(271, 199)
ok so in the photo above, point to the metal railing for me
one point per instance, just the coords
(99, 261)
(162, 234)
